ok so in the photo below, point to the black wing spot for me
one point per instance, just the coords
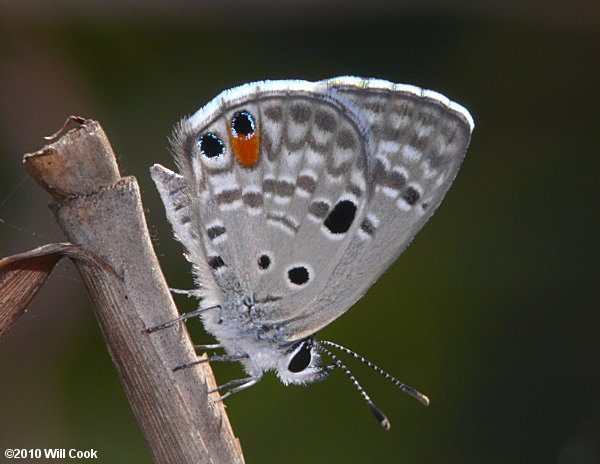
(211, 145)
(264, 262)
(341, 217)
(298, 275)
(410, 195)
(242, 124)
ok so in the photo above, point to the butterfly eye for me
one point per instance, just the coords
(301, 359)
(242, 125)
(211, 146)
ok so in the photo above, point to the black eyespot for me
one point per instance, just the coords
(242, 124)
(210, 145)
(298, 275)
(264, 262)
(301, 359)
(341, 217)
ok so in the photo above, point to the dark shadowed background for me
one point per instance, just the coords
(492, 311)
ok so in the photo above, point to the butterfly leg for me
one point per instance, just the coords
(231, 383)
(179, 291)
(183, 317)
(239, 384)
(214, 346)
(229, 357)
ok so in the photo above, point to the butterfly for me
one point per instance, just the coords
(292, 199)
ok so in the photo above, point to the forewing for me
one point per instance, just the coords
(348, 170)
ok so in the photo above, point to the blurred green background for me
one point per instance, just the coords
(492, 311)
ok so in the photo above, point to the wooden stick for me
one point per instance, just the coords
(103, 213)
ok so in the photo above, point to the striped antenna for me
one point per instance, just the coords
(402, 386)
(378, 413)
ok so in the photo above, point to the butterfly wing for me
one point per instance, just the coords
(180, 202)
(420, 139)
(264, 224)
(308, 200)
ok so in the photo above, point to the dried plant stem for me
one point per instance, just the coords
(102, 212)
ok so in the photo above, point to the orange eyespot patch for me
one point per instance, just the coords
(244, 138)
